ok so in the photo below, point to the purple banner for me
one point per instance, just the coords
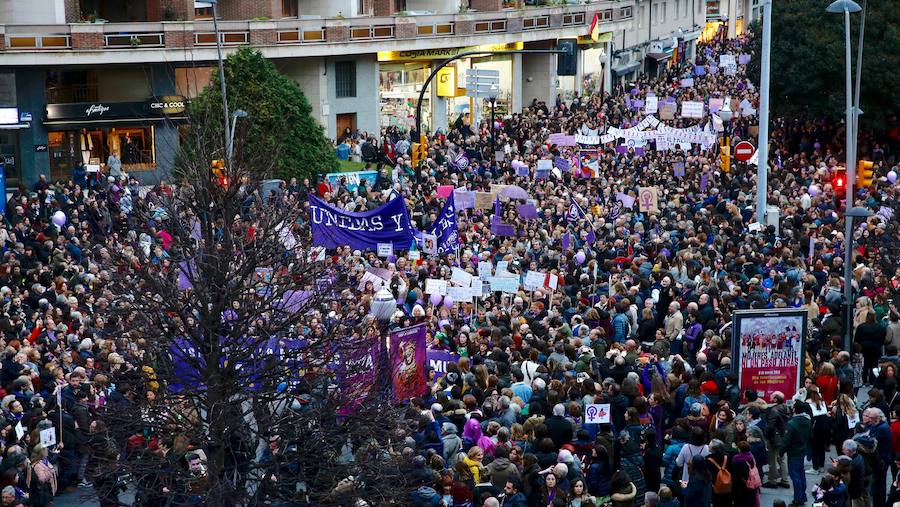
(438, 361)
(357, 374)
(464, 199)
(408, 367)
(561, 139)
(445, 229)
(501, 229)
(333, 227)
(562, 164)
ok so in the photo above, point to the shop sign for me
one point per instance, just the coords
(40, 148)
(9, 115)
(154, 107)
(446, 82)
(442, 53)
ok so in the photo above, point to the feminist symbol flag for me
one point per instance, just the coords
(615, 211)
(461, 161)
(575, 212)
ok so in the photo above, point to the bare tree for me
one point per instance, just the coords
(249, 345)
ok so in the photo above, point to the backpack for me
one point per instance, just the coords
(723, 477)
(753, 482)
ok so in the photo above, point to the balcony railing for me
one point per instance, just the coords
(286, 32)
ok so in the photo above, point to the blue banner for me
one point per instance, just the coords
(333, 227)
(445, 228)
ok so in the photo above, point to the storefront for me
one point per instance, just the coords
(11, 123)
(402, 74)
(88, 133)
(594, 62)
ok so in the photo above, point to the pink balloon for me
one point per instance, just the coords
(448, 302)
(435, 299)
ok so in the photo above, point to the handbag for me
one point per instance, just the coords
(753, 481)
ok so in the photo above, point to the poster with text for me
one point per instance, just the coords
(768, 345)
(408, 362)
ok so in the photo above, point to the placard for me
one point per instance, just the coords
(597, 413)
(687, 82)
(691, 109)
(385, 249)
(503, 269)
(460, 294)
(484, 200)
(651, 105)
(506, 284)
(414, 255)
(648, 199)
(436, 286)
(460, 277)
(667, 112)
(429, 243)
(48, 437)
(484, 270)
(534, 280)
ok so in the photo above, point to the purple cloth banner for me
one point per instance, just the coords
(438, 361)
(292, 301)
(501, 229)
(562, 164)
(356, 376)
(186, 273)
(445, 229)
(527, 211)
(333, 227)
(408, 362)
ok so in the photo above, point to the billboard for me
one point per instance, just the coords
(768, 350)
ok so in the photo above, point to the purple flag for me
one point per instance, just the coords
(527, 211)
(566, 241)
(591, 237)
(461, 161)
(562, 164)
(501, 229)
(409, 373)
(575, 212)
(186, 273)
(704, 181)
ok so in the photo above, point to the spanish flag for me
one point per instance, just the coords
(595, 28)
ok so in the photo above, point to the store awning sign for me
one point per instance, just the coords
(154, 107)
(442, 53)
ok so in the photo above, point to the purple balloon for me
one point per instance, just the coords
(392, 258)
(435, 299)
(665, 252)
(814, 190)
(892, 177)
(448, 302)
(817, 145)
(59, 218)
(580, 257)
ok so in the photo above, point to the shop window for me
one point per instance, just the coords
(92, 147)
(345, 79)
(290, 8)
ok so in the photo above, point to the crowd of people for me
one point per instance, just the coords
(640, 320)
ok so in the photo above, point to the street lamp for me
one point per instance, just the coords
(221, 76)
(492, 96)
(383, 305)
(846, 7)
(238, 113)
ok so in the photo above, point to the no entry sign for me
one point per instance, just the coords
(743, 151)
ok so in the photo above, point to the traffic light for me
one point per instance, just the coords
(218, 171)
(415, 155)
(839, 181)
(419, 151)
(865, 174)
(725, 156)
(566, 62)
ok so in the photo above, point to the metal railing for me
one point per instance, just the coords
(227, 38)
(372, 32)
(133, 40)
(436, 29)
(535, 22)
(21, 41)
(490, 26)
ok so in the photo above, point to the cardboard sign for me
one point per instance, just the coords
(429, 243)
(385, 249)
(484, 270)
(485, 200)
(505, 284)
(691, 109)
(436, 286)
(534, 280)
(667, 112)
(651, 105)
(48, 437)
(460, 294)
(460, 277)
(597, 413)
(648, 199)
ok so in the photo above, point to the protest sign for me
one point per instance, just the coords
(597, 413)
(506, 284)
(527, 211)
(484, 200)
(352, 179)
(691, 109)
(460, 277)
(436, 286)
(561, 139)
(534, 280)
(687, 82)
(429, 243)
(444, 191)
(484, 270)
(667, 112)
(438, 361)
(385, 249)
(464, 199)
(648, 199)
(650, 106)
(460, 294)
(48, 437)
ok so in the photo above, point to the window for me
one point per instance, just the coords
(641, 14)
(361, 8)
(289, 8)
(662, 13)
(345, 79)
(626, 12)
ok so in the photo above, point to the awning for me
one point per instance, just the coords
(15, 126)
(586, 40)
(693, 34)
(626, 68)
(64, 124)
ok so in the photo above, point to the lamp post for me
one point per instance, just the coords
(846, 7)
(382, 308)
(221, 77)
(762, 165)
(849, 216)
(492, 96)
(238, 113)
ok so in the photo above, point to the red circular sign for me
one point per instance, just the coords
(743, 151)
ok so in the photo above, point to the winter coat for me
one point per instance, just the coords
(796, 436)
(501, 470)
(625, 498)
(452, 445)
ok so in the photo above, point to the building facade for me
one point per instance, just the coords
(83, 79)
